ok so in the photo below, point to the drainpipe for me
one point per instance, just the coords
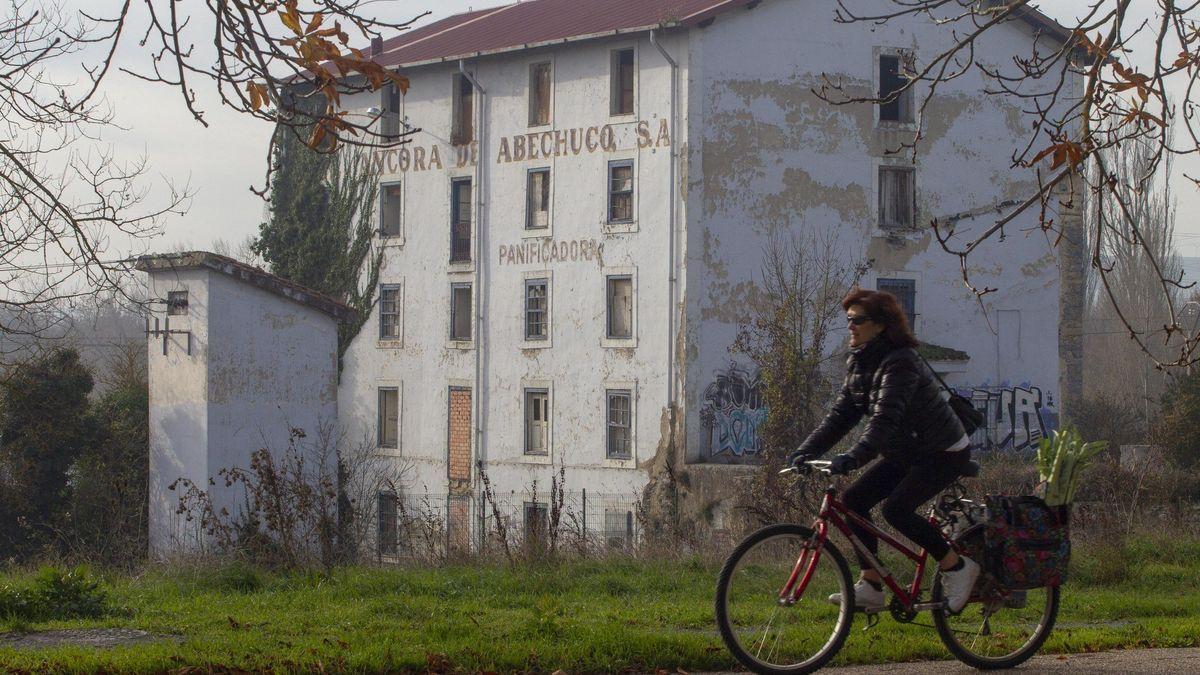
(477, 187)
(671, 287)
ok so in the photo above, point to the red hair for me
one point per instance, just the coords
(884, 309)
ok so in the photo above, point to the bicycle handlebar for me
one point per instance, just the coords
(821, 465)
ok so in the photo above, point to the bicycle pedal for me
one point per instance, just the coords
(872, 621)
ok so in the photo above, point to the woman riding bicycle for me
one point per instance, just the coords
(922, 442)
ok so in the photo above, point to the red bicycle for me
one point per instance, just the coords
(775, 615)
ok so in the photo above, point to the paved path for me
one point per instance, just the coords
(1157, 661)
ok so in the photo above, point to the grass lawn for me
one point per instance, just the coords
(597, 616)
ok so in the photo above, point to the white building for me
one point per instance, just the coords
(576, 232)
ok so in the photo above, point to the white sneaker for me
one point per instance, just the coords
(865, 596)
(957, 585)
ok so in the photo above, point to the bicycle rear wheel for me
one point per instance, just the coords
(998, 628)
(771, 636)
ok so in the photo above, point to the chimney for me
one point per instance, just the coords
(376, 46)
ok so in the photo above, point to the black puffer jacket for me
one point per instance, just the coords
(907, 418)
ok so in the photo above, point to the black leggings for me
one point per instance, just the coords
(903, 489)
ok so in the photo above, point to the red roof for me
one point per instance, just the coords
(535, 22)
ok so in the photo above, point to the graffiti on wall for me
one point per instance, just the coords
(1018, 417)
(732, 412)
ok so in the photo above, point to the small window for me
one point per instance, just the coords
(620, 423)
(621, 102)
(897, 198)
(536, 306)
(460, 312)
(620, 307)
(620, 192)
(462, 130)
(618, 528)
(389, 417)
(537, 421)
(537, 202)
(390, 120)
(389, 312)
(892, 80)
(537, 521)
(905, 291)
(177, 303)
(460, 220)
(539, 94)
(389, 531)
(389, 210)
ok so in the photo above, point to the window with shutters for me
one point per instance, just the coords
(891, 80)
(460, 220)
(905, 291)
(462, 130)
(389, 210)
(389, 417)
(537, 200)
(897, 198)
(620, 306)
(620, 423)
(389, 530)
(622, 82)
(390, 299)
(460, 312)
(537, 421)
(620, 191)
(537, 315)
(540, 88)
(389, 123)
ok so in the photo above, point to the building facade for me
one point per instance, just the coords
(575, 233)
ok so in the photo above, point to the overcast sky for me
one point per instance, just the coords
(222, 161)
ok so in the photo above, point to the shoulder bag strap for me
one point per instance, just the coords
(935, 373)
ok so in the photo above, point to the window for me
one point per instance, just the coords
(618, 528)
(537, 421)
(460, 312)
(390, 120)
(389, 312)
(460, 220)
(620, 423)
(620, 306)
(539, 94)
(462, 131)
(620, 192)
(389, 531)
(892, 80)
(537, 200)
(537, 518)
(897, 198)
(536, 305)
(905, 291)
(177, 303)
(389, 417)
(621, 101)
(389, 210)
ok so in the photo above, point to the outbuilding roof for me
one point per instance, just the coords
(543, 22)
(192, 260)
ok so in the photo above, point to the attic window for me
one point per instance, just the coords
(177, 303)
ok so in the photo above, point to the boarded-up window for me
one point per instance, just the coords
(458, 434)
(618, 528)
(537, 421)
(390, 121)
(537, 209)
(537, 521)
(536, 315)
(389, 312)
(892, 80)
(460, 220)
(462, 130)
(620, 306)
(620, 423)
(539, 94)
(177, 303)
(620, 192)
(905, 291)
(897, 198)
(389, 417)
(621, 101)
(389, 531)
(460, 312)
(389, 210)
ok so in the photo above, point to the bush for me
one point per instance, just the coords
(1178, 429)
(55, 594)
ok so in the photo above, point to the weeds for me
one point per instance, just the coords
(55, 593)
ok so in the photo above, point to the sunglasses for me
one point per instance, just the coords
(857, 320)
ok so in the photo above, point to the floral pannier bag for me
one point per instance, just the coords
(1028, 543)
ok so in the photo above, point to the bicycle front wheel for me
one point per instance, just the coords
(773, 635)
(998, 628)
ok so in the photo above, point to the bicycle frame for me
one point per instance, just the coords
(833, 511)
